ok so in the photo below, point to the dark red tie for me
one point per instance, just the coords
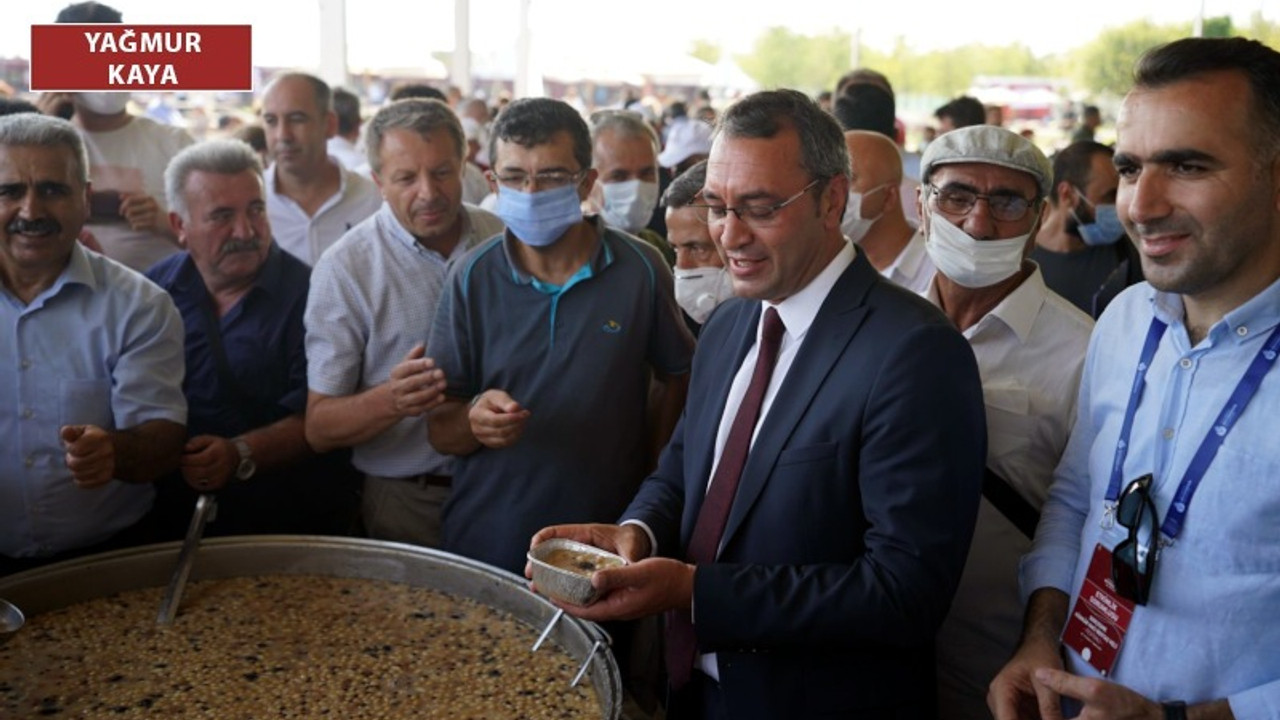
(714, 515)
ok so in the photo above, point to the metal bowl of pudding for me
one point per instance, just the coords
(562, 569)
(54, 591)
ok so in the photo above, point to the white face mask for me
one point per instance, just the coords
(103, 103)
(629, 204)
(700, 290)
(853, 225)
(968, 262)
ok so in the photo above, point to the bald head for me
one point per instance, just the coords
(874, 160)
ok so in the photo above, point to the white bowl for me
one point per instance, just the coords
(562, 569)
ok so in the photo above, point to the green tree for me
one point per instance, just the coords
(782, 58)
(706, 51)
(1262, 30)
(950, 72)
(1218, 27)
(1105, 65)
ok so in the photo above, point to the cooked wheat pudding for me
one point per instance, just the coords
(288, 646)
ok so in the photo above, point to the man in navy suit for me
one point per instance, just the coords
(851, 515)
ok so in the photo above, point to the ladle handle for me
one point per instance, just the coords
(205, 507)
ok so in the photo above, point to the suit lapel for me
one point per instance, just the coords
(832, 330)
(723, 364)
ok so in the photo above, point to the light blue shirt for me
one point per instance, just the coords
(1211, 627)
(373, 295)
(102, 346)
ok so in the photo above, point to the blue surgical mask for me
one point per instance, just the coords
(1105, 228)
(538, 219)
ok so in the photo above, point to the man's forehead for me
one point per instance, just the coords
(246, 184)
(983, 176)
(753, 163)
(48, 161)
(557, 151)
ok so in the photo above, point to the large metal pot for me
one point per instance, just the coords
(74, 581)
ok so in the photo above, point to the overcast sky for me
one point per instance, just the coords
(395, 32)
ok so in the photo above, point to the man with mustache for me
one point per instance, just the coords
(373, 296)
(242, 299)
(311, 198)
(91, 409)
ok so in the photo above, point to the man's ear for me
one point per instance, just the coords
(588, 182)
(835, 196)
(1063, 194)
(178, 227)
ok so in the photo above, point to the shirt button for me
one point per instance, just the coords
(26, 363)
(27, 413)
(1242, 331)
(1168, 433)
(29, 461)
(1186, 363)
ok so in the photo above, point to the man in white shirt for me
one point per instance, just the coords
(311, 199)
(984, 191)
(127, 157)
(874, 218)
(372, 300)
(344, 146)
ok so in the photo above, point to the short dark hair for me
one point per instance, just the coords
(964, 111)
(417, 90)
(686, 186)
(13, 106)
(1074, 163)
(1260, 65)
(1091, 110)
(863, 76)
(533, 121)
(823, 153)
(89, 12)
(867, 107)
(346, 105)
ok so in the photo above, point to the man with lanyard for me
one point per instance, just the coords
(1156, 560)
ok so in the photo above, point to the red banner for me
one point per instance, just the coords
(74, 57)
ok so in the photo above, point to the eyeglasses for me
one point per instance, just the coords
(755, 215)
(1005, 206)
(549, 180)
(1133, 563)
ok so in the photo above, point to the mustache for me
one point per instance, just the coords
(235, 246)
(39, 226)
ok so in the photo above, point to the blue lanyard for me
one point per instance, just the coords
(1240, 397)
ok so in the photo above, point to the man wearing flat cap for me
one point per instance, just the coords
(981, 204)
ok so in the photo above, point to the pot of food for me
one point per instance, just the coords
(293, 626)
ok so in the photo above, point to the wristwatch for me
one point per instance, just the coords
(247, 466)
(1174, 710)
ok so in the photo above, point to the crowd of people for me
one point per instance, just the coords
(856, 416)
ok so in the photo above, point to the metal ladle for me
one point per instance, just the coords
(206, 509)
(11, 621)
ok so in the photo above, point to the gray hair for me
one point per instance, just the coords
(417, 114)
(626, 124)
(823, 153)
(221, 157)
(45, 131)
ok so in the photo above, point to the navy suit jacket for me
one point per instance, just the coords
(854, 513)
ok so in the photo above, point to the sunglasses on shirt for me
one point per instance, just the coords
(1133, 562)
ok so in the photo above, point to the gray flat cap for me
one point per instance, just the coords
(990, 145)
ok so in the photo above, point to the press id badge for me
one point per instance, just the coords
(1098, 622)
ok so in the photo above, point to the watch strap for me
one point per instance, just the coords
(1174, 710)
